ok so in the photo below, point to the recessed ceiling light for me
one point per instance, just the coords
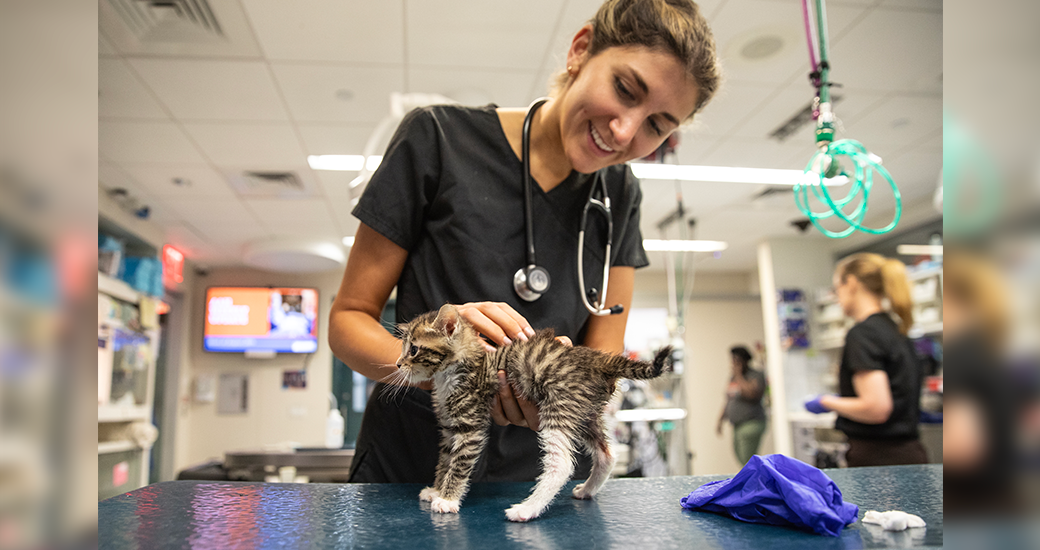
(762, 47)
(919, 250)
(348, 241)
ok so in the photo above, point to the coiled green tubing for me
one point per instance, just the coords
(862, 181)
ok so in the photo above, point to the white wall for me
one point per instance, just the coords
(275, 415)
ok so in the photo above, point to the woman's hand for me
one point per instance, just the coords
(497, 321)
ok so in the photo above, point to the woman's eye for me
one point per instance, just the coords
(622, 90)
(413, 350)
(653, 126)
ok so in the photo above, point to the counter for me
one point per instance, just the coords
(628, 513)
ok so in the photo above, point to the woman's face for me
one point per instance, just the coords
(622, 104)
(843, 290)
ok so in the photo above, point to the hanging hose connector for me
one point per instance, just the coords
(825, 125)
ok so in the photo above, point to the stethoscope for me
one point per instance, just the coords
(532, 281)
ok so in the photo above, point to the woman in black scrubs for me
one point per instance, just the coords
(443, 220)
(880, 376)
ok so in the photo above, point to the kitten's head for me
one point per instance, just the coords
(435, 340)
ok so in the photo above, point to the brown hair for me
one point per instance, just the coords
(885, 278)
(674, 26)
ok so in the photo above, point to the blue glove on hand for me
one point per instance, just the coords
(814, 406)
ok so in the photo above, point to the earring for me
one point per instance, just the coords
(570, 70)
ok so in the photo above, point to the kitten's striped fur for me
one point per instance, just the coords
(570, 386)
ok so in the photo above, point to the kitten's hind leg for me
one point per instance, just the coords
(602, 460)
(557, 467)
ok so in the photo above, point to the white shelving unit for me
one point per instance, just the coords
(127, 460)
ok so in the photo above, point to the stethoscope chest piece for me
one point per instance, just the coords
(531, 282)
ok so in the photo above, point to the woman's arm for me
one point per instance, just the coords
(873, 401)
(750, 389)
(355, 334)
(607, 333)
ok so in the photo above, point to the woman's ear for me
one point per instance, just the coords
(579, 50)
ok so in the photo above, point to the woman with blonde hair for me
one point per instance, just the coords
(880, 376)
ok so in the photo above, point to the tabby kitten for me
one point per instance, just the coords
(570, 386)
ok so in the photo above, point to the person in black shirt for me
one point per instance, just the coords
(880, 377)
(443, 220)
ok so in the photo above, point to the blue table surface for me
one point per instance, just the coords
(628, 513)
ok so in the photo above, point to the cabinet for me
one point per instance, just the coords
(128, 344)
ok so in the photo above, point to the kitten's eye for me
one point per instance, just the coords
(413, 350)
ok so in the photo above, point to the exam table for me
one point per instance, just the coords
(627, 513)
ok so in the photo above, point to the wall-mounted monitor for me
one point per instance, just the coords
(261, 320)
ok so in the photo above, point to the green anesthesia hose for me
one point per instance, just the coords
(824, 168)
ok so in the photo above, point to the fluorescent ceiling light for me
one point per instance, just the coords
(343, 163)
(660, 245)
(649, 415)
(348, 241)
(919, 250)
(728, 174)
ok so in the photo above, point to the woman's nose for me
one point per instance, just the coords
(624, 128)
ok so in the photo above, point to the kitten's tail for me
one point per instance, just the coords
(622, 367)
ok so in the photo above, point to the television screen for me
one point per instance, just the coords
(241, 319)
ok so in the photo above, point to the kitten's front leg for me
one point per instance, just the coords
(463, 454)
(444, 455)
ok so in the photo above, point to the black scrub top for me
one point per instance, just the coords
(450, 191)
(876, 344)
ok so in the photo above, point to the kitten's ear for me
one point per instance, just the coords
(448, 319)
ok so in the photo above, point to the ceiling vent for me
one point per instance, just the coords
(185, 21)
(800, 119)
(268, 184)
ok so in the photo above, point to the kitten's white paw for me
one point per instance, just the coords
(444, 506)
(522, 512)
(428, 494)
(580, 493)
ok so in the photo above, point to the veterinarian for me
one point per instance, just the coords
(879, 377)
(443, 220)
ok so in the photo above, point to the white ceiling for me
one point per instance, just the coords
(268, 96)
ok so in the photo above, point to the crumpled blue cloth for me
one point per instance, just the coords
(777, 490)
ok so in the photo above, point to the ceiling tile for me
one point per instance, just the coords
(213, 90)
(898, 122)
(221, 233)
(319, 139)
(184, 238)
(299, 217)
(890, 51)
(104, 48)
(336, 184)
(258, 146)
(158, 180)
(474, 88)
(124, 141)
(476, 33)
(351, 31)
(738, 24)
(760, 153)
(205, 211)
(695, 144)
(120, 94)
(311, 90)
(732, 104)
(927, 5)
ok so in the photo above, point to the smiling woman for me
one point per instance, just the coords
(443, 220)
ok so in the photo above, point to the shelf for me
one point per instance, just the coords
(927, 329)
(109, 447)
(111, 413)
(117, 289)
